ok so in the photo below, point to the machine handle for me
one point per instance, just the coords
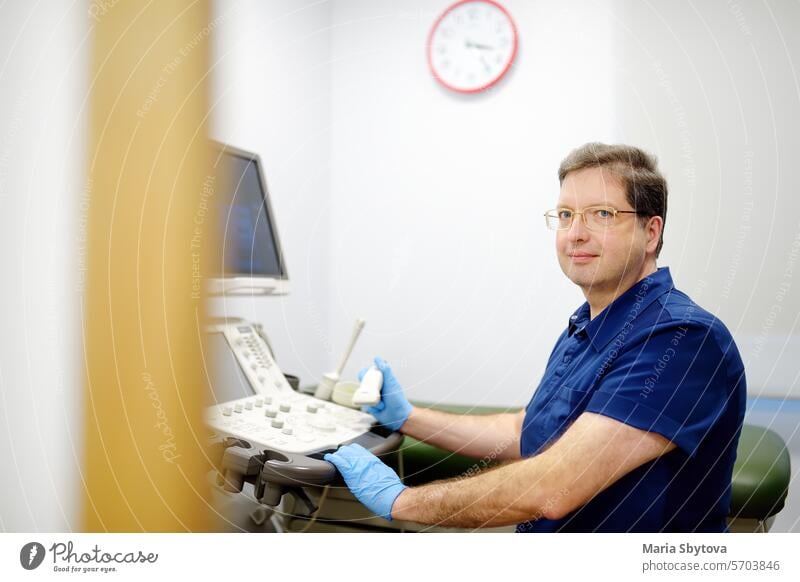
(389, 444)
(274, 473)
(295, 470)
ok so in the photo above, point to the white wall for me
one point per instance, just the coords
(420, 209)
(438, 238)
(450, 262)
(271, 95)
(43, 72)
(712, 88)
(408, 205)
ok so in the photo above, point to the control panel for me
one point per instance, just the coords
(268, 413)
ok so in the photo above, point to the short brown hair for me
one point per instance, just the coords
(645, 187)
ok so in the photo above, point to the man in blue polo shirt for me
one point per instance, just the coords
(635, 423)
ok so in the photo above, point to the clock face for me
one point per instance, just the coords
(472, 45)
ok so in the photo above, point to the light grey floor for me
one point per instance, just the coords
(782, 417)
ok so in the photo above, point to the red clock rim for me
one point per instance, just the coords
(500, 75)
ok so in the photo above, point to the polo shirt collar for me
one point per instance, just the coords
(624, 309)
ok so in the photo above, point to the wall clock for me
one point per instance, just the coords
(472, 45)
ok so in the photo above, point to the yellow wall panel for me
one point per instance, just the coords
(148, 162)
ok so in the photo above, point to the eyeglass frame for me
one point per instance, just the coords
(583, 215)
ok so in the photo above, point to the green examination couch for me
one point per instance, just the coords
(760, 475)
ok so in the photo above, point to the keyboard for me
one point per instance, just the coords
(288, 421)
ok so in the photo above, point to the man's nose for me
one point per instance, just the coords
(577, 230)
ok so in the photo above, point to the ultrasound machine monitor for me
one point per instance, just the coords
(251, 260)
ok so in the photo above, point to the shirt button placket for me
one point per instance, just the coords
(566, 358)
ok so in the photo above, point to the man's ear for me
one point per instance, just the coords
(655, 225)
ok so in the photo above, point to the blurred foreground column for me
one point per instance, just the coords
(148, 177)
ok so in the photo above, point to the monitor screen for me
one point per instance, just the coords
(227, 380)
(250, 257)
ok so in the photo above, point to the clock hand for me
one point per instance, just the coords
(485, 47)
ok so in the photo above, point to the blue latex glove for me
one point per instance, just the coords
(393, 409)
(372, 482)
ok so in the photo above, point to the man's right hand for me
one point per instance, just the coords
(393, 409)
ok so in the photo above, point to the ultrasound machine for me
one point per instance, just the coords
(267, 438)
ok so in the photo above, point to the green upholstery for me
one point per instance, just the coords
(423, 463)
(760, 475)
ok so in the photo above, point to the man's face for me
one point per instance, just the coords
(600, 260)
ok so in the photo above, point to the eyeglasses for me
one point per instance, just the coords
(594, 217)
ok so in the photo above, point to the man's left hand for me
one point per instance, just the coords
(372, 482)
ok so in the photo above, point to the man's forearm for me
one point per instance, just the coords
(495, 435)
(590, 456)
(501, 496)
